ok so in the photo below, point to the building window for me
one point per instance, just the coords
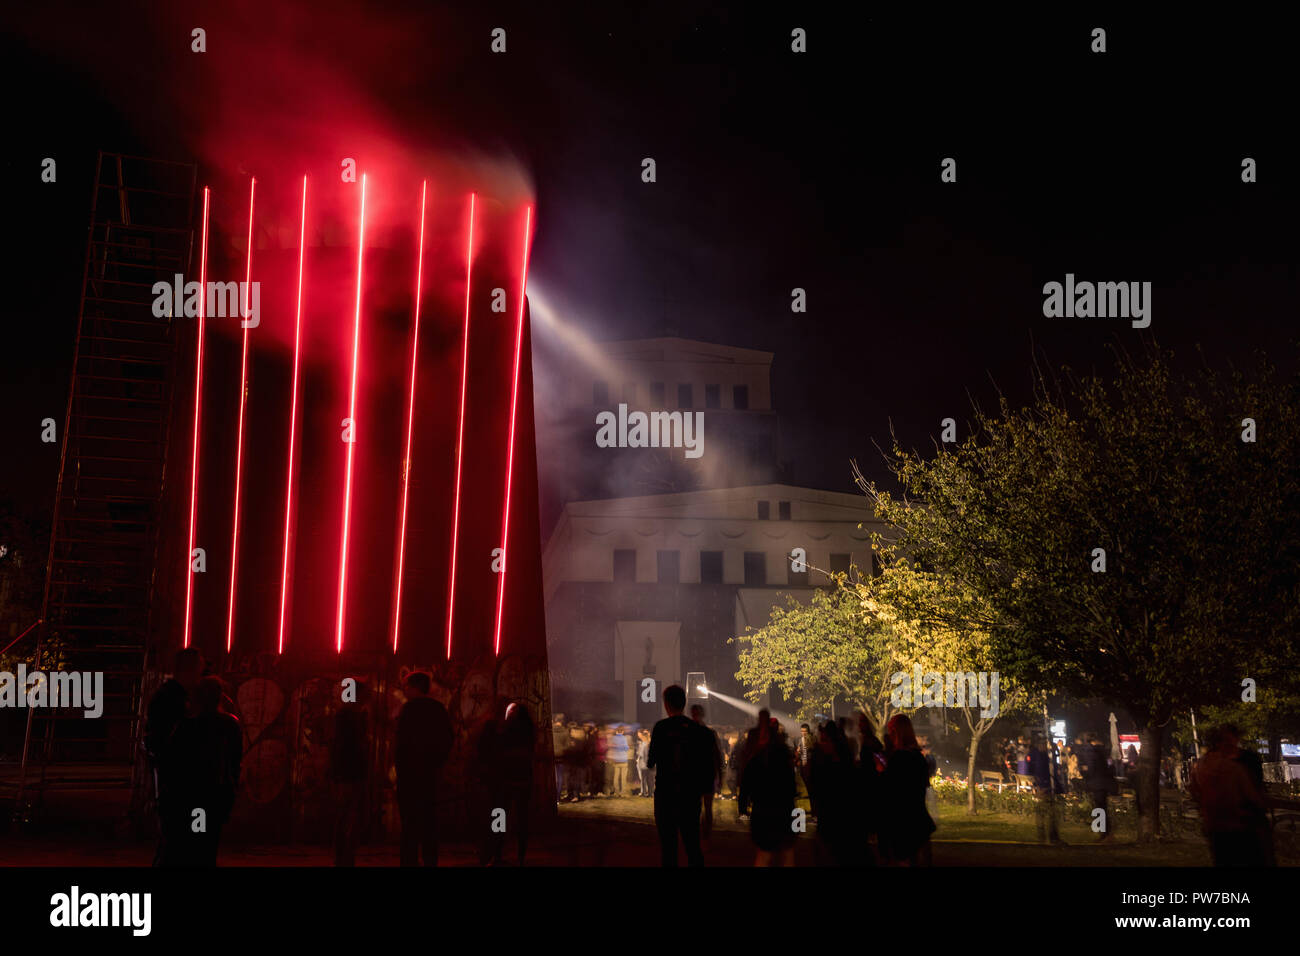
(755, 569)
(629, 393)
(783, 510)
(740, 396)
(670, 567)
(764, 510)
(875, 565)
(712, 396)
(600, 394)
(710, 567)
(656, 394)
(624, 565)
(685, 396)
(840, 563)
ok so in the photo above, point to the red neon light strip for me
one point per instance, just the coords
(198, 396)
(460, 428)
(293, 417)
(243, 399)
(410, 422)
(510, 451)
(352, 415)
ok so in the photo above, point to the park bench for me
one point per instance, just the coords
(991, 778)
(1024, 782)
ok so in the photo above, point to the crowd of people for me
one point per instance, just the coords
(1226, 781)
(871, 800)
(194, 745)
(868, 797)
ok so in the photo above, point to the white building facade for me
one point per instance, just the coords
(656, 586)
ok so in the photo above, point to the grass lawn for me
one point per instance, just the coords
(987, 839)
(1011, 839)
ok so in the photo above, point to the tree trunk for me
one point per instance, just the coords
(970, 773)
(1148, 782)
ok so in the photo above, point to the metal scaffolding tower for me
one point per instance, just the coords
(100, 576)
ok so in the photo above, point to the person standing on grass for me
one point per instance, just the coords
(617, 755)
(643, 769)
(1098, 779)
(767, 794)
(559, 747)
(679, 755)
(1046, 786)
(1231, 807)
(706, 825)
(906, 826)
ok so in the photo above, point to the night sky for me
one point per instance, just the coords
(775, 170)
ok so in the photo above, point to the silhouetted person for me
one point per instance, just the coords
(573, 761)
(1249, 758)
(871, 782)
(836, 794)
(511, 781)
(643, 771)
(1047, 784)
(167, 709)
(706, 798)
(484, 773)
(906, 826)
(209, 748)
(349, 770)
(680, 758)
(1098, 778)
(559, 746)
(423, 743)
(749, 745)
(1231, 808)
(767, 792)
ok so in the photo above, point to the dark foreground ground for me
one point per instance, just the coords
(620, 832)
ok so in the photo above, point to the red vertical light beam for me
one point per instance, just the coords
(510, 449)
(293, 418)
(352, 418)
(410, 421)
(460, 428)
(243, 400)
(198, 396)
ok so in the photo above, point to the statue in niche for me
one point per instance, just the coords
(648, 667)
